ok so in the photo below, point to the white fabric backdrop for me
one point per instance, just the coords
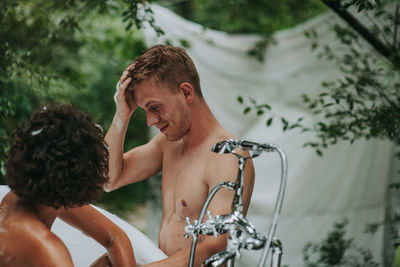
(348, 181)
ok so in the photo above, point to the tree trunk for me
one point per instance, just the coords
(392, 210)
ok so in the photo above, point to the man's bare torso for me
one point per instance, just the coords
(184, 190)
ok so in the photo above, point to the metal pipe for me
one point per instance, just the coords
(230, 262)
(236, 217)
(228, 185)
(276, 253)
(237, 202)
(278, 205)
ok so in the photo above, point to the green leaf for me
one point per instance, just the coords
(185, 43)
(266, 106)
(314, 46)
(328, 105)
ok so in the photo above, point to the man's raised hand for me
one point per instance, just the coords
(123, 109)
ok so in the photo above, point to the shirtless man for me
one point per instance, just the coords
(164, 82)
(57, 162)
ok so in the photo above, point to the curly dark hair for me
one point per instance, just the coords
(57, 158)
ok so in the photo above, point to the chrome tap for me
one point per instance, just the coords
(241, 232)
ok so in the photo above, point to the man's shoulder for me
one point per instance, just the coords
(221, 134)
(159, 140)
(159, 143)
(226, 163)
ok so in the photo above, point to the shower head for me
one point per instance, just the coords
(223, 147)
(228, 146)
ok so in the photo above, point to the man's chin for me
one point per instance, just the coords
(172, 138)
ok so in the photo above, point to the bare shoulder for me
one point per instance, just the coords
(52, 251)
(227, 159)
(225, 166)
(159, 139)
(25, 241)
(159, 142)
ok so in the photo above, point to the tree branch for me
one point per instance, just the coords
(396, 24)
(363, 31)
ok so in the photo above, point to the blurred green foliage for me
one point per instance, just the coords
(67, 51)
(75, 50)
(362, 103)
(261, 17)
(241, 16)
(337, 250)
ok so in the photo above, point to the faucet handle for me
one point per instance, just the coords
(187, 219)
(212, 222)
(209, 214)
(191, 228)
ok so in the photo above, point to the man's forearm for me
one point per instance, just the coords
(115, 140)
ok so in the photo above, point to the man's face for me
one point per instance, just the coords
(165, 110)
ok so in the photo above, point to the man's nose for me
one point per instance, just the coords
(152, 119)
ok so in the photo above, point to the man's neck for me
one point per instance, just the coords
(203, 124)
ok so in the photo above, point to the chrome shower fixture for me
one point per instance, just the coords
(241, 232)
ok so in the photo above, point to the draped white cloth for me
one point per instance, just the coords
(348, 181)
(85, 250)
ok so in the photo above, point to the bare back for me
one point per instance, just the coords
(26, 241)
(188, 177)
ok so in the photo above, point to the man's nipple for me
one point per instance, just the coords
(180, 209)
(184, 203)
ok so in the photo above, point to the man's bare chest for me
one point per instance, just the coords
(184, 187)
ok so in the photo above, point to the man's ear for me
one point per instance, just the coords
(188, 91)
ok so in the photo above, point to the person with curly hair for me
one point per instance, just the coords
(57, 163)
